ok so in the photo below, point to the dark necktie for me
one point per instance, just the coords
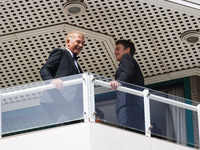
(76, 57)
(75, 62)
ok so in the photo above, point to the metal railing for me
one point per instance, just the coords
(147, 97)
(88, 82)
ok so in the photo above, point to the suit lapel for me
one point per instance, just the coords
(80, 68)
(72, 61)
(118, 72)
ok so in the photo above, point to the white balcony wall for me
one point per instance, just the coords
(86, 136)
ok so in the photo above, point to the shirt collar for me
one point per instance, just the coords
(70, 52)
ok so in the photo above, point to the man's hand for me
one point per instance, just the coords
(58, 83)
(114, 85)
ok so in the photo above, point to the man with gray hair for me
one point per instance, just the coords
(63, 103)
(61, 62)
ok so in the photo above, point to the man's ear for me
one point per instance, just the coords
(67, 41)
(128, 50)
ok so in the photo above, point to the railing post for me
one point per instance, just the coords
(147, 113)
(0, 117)
(198, 117)
(88, 98)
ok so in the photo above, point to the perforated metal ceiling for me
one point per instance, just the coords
(30, 29)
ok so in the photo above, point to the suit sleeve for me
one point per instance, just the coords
(126, 68)
(49, 69)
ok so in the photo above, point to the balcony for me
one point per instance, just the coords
(84, 112)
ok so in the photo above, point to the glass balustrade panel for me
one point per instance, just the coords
(119, 108)
(43, 105)
(174, 123)
(168, 122)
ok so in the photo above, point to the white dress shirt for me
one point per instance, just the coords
(75, 62)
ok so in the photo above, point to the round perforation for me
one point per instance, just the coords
(92, 60)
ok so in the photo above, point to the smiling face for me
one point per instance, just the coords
(75, 43)
(120, 51)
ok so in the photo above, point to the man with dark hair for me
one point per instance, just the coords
(129, 108)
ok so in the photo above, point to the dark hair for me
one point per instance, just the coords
(126, 44)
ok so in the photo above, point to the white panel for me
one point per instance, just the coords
(106, 137)
(73, 137)
(87, 136)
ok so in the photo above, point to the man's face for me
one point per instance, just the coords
(120, 51)
(75, 43)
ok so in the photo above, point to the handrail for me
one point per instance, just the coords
(151, 96)
(174, 103)
(39, 88)
(120, 88)
(143, 93)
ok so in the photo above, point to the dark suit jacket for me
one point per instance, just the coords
(59, 64)
(128, 71)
